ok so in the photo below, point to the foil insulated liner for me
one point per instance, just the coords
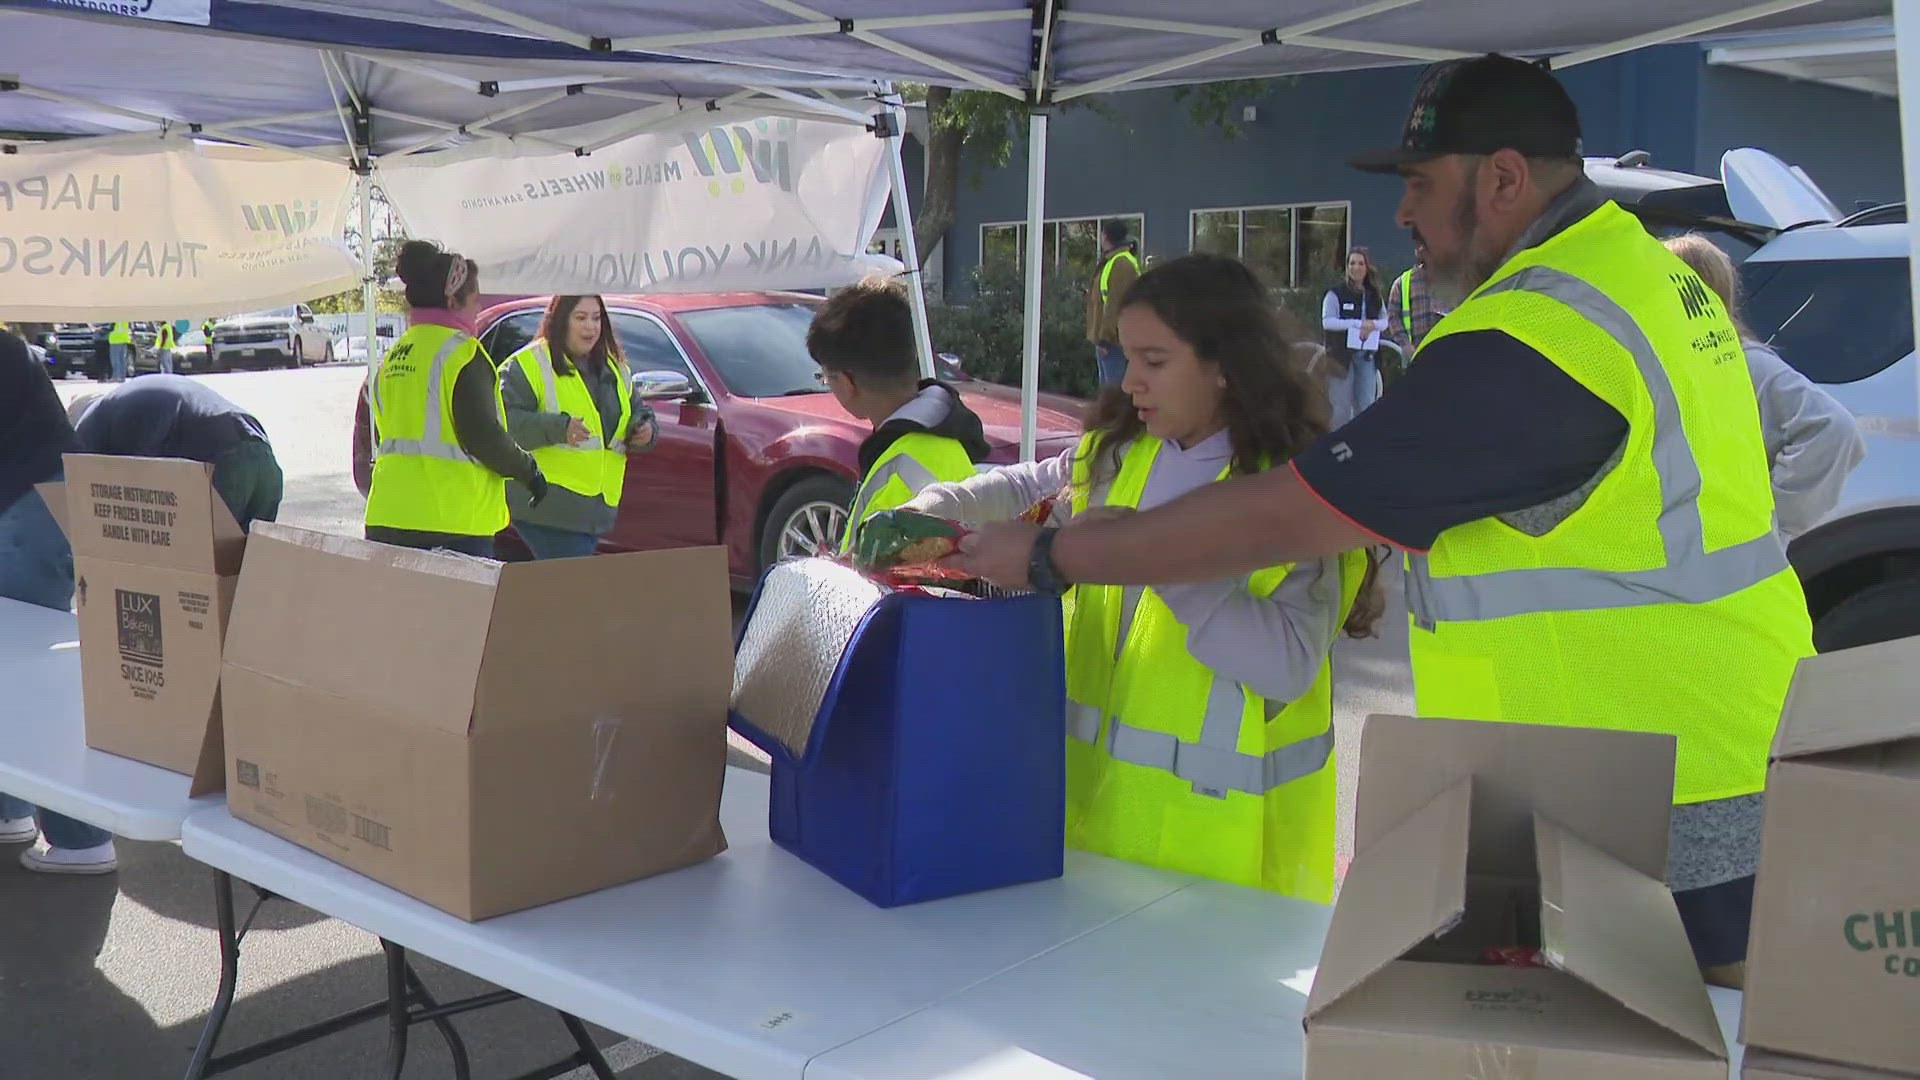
(805, 617)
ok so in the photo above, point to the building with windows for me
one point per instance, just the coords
(1281, 197)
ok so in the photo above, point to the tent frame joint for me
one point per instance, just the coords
(9, 85)
(846, 26)
(600, 44)
(1270, 36)
(490, 88)
(883, 126)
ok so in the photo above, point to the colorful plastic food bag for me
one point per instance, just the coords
(904, 545)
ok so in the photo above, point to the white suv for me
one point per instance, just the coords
(1830, 292)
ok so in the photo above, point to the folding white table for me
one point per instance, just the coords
(1210, 981)
(43, 747)
(752, 963)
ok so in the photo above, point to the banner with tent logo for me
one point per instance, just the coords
(176, 232)
(768, 203)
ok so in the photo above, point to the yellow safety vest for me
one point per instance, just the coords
(163, 337)
(1664, 603)
(915, 460)
(1172, 765)
(422, 480)
(598, 467)
(120, 334)
(1106, 270)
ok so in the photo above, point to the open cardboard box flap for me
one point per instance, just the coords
(1612, 787)
(1851, 698)
(370, 623)
(1595, 912)
(106, 497)
(1409, 885)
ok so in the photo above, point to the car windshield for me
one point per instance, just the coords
(1837, 321)
(760, 350)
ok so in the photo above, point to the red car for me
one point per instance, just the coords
(753, 452)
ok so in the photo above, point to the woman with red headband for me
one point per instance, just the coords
(442, 455)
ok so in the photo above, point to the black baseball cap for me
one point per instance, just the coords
(1481, 105)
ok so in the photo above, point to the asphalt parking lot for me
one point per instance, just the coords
(112, 977)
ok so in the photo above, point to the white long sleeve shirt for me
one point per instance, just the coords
(1273, 645)
(1812, 441)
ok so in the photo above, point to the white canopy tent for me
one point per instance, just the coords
(352, 106)
(1041, 52)
(1045, 51)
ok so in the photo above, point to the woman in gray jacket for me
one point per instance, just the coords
(1812, 440)
(570, 403)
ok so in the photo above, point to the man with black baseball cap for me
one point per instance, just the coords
(1574, 467)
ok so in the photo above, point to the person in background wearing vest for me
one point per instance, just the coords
(1354, 314)
(442, 452)
(1211, 391)
(206, 334)
(163, 346)
(36, 567)
(1119, 267)
(1812, 440)
(569, 401)
(1410, 310)
(120, 351)
(1575, 468)
(863, 340)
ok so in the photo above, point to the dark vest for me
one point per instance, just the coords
(1354, 304)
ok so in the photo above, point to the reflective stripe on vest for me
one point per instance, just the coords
(1106, 270)
(1406, 302)
(435, 443)
(903, 466)
(1211, 765)
(1691, 574)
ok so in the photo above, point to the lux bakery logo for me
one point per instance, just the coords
(727, 155)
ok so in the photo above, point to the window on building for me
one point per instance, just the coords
(1290, 247)
(1071, 245)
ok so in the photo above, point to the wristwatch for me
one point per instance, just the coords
(1042, 574)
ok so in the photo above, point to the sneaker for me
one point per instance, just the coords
(19, 830)
(43, 859)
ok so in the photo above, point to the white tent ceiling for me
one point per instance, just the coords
(1855, 57)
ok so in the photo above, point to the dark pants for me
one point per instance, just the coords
(550, 543)
(1113, 364)
(481, 546)
(1717, 918)
(248, 478)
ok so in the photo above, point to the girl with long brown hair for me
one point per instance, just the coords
(568, 400)
(1200, 716)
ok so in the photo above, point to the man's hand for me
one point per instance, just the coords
(997, 553)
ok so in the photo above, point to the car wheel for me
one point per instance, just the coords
(1879, 612)
(807, 520)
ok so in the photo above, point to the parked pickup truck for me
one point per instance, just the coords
(281, 337)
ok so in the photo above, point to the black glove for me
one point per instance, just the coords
(537, 486)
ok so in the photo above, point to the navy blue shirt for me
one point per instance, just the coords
(33, 424)
(165, 416)
(1480, 425)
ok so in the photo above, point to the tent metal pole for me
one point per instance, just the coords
(1676, 33)
(522, 22)
(826, 110)
(1251, 40)
(367, 297)
(895, 135)
(1906, 52)
(816, 28)
(1030, 336)
(973, 78)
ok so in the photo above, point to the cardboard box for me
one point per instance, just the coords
(482, 736)
(1471, 835)
(1833, 969)
(155, 554)
(1762, 1065)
